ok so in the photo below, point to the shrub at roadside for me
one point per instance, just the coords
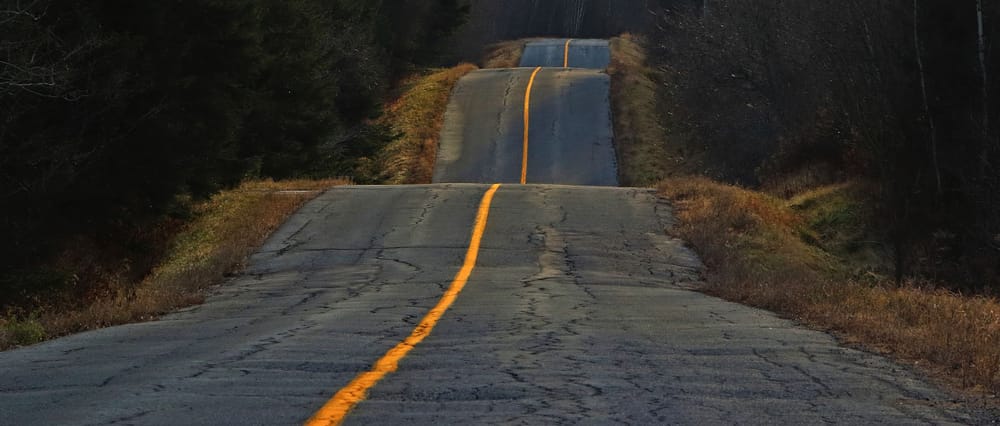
(764, 251)
(20, 332)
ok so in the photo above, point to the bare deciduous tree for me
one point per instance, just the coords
(32, 58)
(897, 92)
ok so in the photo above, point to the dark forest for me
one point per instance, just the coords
(113, 112)
(785, 95)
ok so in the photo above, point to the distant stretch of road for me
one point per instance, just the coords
(499, 299)
(569, 138)
(548, 122)
(567, 53)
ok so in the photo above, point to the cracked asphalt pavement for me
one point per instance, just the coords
(578, 312)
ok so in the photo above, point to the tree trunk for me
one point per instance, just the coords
(984, 160)
(923, 90)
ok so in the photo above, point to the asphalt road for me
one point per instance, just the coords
(576, 313)
(460, 303)
(570, 137)
(492, 21)
(591, 54)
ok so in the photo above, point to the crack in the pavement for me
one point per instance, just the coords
(128, 418)
(427, 207)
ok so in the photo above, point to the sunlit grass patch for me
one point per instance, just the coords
(417, 116)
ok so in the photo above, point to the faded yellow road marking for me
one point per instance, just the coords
(336, 410)
(566, 54)
(527, 125)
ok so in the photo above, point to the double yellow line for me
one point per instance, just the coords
(337, 409)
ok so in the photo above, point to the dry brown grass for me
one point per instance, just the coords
(418, 116)
(505, 54)
(754, 248)
(640, 138)
(225, 231)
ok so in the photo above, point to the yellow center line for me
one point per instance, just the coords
(336, 410)
(527, 125)
(566, 54)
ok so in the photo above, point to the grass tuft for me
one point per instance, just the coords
(786, 256)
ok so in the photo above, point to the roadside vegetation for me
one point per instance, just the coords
(789, 98)
(845, 182)
(810, 258)
(190, 255)
(415, 118)
(506, 54)
(640, 137)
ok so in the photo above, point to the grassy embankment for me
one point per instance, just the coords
(639, 134)
(215, 243)
(810, 255)
(417, 116)
(504, 55)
